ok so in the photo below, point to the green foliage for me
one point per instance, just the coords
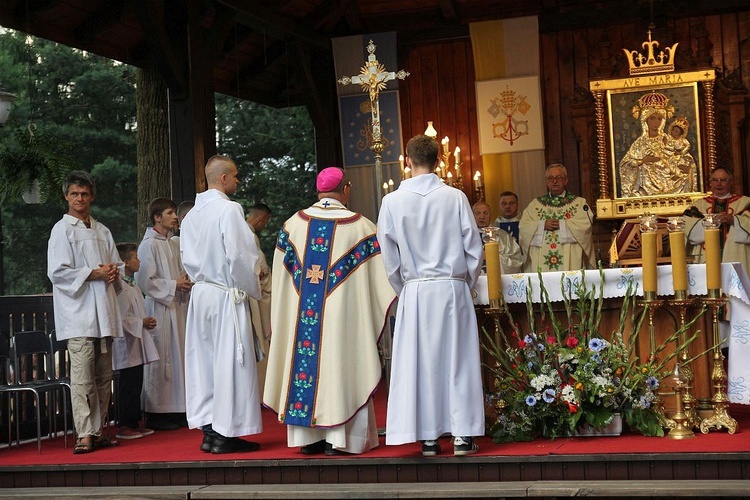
(565, 374)
(81, 110)
(275, 153)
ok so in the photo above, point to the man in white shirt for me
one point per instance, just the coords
(84, 268)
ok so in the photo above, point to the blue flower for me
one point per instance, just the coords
(644, 402)
(530, 400)
(541, 347)
(596, 345)
(529, 339)
(597, 358)
(548, 395)
(652, 383)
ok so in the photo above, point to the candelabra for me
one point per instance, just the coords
(720, 417)
(443, 170)
(682, 428)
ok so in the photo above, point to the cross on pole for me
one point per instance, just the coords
(373, 78)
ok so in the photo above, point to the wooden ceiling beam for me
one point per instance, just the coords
(106, 17)
(160, 47)
(253, 13)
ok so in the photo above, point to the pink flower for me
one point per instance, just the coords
(571, 342)
(551, 340)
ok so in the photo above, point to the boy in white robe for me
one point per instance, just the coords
(166, 286)
(133, 350)
(433, 256)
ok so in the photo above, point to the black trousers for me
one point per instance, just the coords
(129, 387)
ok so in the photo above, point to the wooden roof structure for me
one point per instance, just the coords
(268, 52)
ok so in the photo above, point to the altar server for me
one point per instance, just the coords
(433, 256)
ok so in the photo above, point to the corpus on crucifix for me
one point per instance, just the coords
(373, 78)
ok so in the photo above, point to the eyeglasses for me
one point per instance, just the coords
(555, 178)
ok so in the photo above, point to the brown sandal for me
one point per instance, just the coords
(84, 445)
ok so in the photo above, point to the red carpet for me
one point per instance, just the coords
(182, 446)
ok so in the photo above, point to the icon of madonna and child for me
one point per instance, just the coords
(658, 162)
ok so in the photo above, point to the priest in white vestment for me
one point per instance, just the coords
(555, 229)
(163, 281)
(220, 257)
(331, 298)
(433, 256)
(733, 212)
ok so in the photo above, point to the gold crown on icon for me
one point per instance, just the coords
(654, 100)
(508, 98)
(652, 62)
(680, 122)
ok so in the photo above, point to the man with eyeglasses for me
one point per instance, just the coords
(330, 300)
(733, 214)
(555, 229)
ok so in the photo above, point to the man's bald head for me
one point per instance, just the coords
(221, 174)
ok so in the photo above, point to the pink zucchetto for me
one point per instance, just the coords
(329, 178)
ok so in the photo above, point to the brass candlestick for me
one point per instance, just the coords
(650, 302)
(682, 302)
(681, 429)
(496, 310)
(720, 417)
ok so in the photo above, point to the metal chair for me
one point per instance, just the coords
(31, 370)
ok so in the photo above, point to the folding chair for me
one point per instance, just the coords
(32, 371)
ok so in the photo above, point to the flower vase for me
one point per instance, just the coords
(613, 429)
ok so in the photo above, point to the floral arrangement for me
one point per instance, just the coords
(561, 376)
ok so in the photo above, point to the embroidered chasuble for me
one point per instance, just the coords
(331, 296)
(567, 249)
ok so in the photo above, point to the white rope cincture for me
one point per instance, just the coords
(238, 296)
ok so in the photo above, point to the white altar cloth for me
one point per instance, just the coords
(735, 285)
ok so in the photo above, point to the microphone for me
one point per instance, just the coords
(586, 209)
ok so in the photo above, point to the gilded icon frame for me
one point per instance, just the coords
(617, 129)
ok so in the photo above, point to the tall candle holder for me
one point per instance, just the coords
(650, 301)
(478, 186)
(498, 307)
(681, 301)
(720, 417)
(682, 428)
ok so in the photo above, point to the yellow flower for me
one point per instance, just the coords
(579, 386)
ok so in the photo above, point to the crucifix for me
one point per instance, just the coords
(373, 78)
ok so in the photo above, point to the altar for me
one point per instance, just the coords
(615, 283)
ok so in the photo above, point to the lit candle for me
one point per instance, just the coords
(439, 172)
(401, 162)
(679, 262)
(713, 259)
(446, 143)
(390, 185)
(450, 178)
(648, 250)
(492, 257)
(443, 170)
(457, 155)
(385, 187)
(407, 172)
(478, 179)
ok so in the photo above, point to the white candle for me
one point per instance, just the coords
(446, 143)
(390, 185)
(407, 172)
(401, 162)
(457, 155)
(478, 179)
(385, 187)
(450, 179)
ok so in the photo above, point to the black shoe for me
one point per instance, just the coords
(207, 444)
(331, 452)
(314, 448)
(430, 448)
(162, 424)
(232, 445)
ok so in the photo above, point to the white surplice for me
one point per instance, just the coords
(163, 380)
(136, 347)
(433, 255)
(82, 308)
(220, 256)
